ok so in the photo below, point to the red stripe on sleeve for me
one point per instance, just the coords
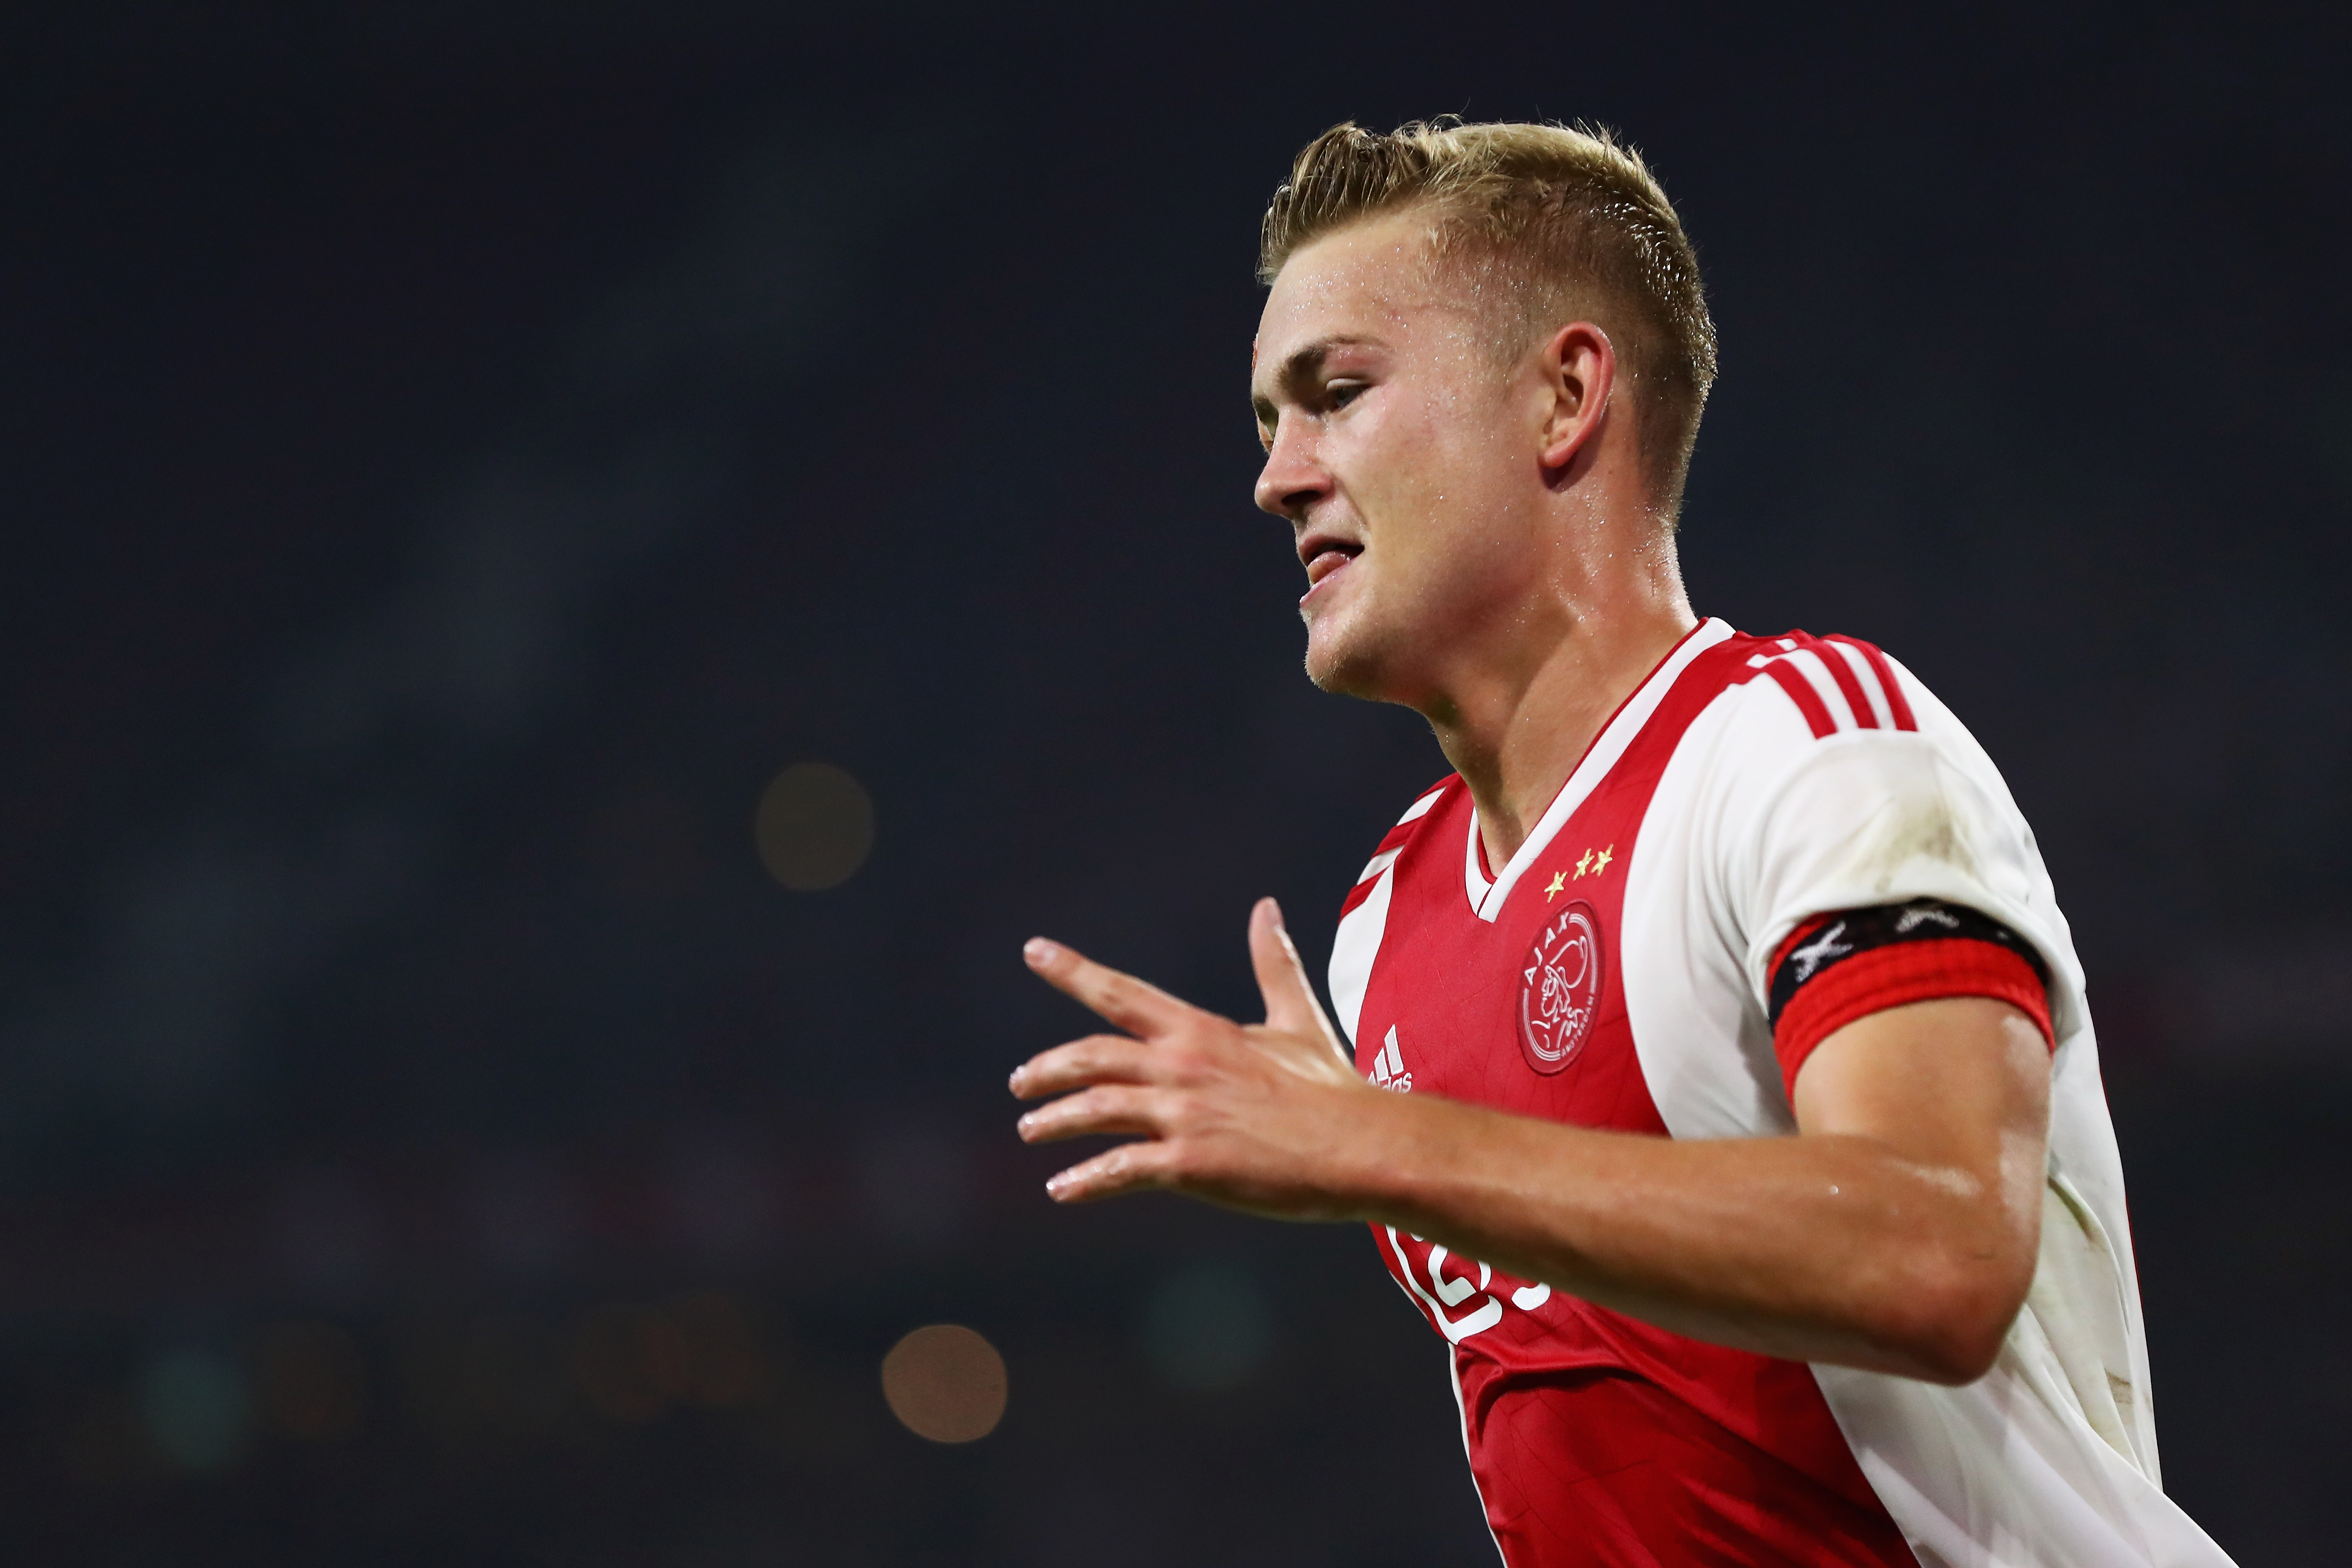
(1849, 686)
(1907, 972)
(1897, 703)
(1807, 700)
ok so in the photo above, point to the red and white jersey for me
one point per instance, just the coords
(1620, 972)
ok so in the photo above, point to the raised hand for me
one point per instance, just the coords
(1267, 1117)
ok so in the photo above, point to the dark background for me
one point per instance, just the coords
(455, 455)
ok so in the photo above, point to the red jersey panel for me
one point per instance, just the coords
(1594, 1437)
(1770, 837)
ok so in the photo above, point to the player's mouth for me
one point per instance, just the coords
(1325, 558)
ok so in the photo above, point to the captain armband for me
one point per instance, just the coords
(1838, 967)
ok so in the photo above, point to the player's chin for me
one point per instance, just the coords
(1343, 661)
(1335, 676)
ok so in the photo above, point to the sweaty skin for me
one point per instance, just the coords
(1480, 546)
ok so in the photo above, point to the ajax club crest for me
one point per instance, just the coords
(1560, 988)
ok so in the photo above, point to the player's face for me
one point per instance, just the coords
(1402, 456)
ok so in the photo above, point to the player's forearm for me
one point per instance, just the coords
(1817, 1247)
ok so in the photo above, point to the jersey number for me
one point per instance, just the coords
(1444, 1293)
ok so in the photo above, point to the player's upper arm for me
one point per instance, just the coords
(1957, 1090)
(1955, 1081)
(1899, 938)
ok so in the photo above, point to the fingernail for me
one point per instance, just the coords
(1276, 907)
(1055, 1185)
(1014, 1082)
(1038, 952)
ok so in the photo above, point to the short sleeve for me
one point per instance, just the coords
(1874, 818)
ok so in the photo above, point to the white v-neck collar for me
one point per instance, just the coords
(1486, 899)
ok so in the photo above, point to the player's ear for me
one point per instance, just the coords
(1579, 365)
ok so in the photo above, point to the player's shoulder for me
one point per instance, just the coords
(1425, 809)
(1798, 686)
(1833, 714)
(1792, 703)
(1426, 802)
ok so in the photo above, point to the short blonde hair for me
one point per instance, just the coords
(1568, 219)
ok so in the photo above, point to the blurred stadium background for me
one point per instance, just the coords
(577, 578)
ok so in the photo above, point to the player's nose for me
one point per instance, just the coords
(1294, 477)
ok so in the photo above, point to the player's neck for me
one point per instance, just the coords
(1516, 725)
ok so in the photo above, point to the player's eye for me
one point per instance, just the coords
(1339, 393)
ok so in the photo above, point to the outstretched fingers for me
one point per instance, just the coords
(1115, 1109)
(1290, 1004)
(1129, 1168)
(1136, 1005)
(1097, 1059)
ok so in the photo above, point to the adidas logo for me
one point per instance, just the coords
(1388, 1067)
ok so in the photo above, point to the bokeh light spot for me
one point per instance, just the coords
(195, 1406)
(946, 1383)
(1206, 1327)
(814, 827)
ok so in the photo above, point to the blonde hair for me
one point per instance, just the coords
(1571, 222)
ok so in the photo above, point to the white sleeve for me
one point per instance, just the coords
(1876, 816)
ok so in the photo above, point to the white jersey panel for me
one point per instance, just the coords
(1357, 942)
(2049, 1460)
(1354, 947)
